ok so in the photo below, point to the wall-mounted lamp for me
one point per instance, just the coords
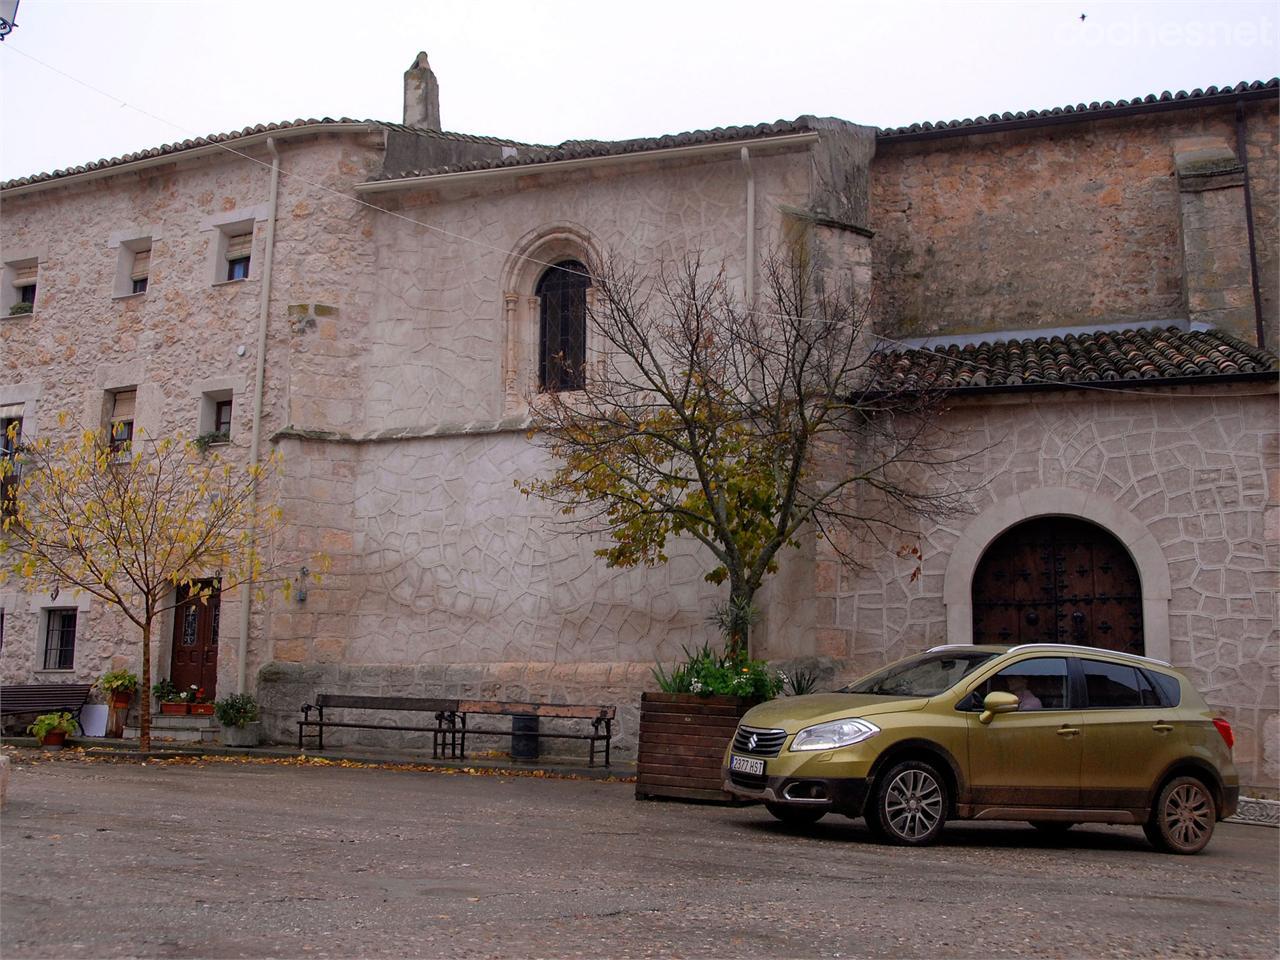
(301, 592)
(8, 17)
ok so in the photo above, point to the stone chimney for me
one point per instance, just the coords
(421, 95)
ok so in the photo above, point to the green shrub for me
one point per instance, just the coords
(708, 673)
(118, 681)
(236, 710)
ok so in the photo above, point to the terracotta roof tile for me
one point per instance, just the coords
(1115, 358)
(215, 138)
(1086, 111)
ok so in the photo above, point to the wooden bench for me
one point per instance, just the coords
(44, 698)
(449, 733)
(598, 714)
(445, 734)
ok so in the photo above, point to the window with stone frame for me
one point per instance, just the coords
(140, 274)
(120, 423)
(19, 289)
(562, 327)
(239, 250)
(60, 638)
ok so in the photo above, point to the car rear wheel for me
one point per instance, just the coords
(796, 816)
(909, 805)
(1183, 818)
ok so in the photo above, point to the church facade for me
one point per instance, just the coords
(1095, 287)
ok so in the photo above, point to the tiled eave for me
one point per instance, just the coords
(1101, 360)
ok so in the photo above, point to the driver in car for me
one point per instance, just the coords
(1026, 699)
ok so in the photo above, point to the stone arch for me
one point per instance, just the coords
(982, 530)
(528, 260)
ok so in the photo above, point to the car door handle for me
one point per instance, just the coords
(1068, 731)
(1162, 727)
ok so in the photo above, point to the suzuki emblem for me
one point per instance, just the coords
(752, 741)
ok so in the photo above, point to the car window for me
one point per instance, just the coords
(924, 676)
(1039, 684)
(1116, 685)
(1169, 687)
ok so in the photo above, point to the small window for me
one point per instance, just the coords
(222, 418)
(10, 435)
(10, 440)
(1039, 684)
(239, 249)
(60, 640)
(141, 272)
(24, 287)
(1115, 686)
(123, 403)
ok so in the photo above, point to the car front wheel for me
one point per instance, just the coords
(796, 816)
(909, 805)
(1183, 818)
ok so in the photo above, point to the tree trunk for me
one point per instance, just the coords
(144, 704)
(740, 597)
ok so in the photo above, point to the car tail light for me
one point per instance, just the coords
(1224, 728)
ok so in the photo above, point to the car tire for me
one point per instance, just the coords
(909, 805)
(1183, 818)
(1052, 828)
(796, 816)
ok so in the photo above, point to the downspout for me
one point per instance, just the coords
(749, 273)
(264, 306)
(1243, 150)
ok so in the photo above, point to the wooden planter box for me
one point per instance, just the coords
(683, 738)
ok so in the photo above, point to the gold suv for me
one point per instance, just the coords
(1052, 734)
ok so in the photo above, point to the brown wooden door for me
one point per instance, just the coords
(195, 641)
(1058, 580)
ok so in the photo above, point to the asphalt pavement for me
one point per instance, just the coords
(224, 859)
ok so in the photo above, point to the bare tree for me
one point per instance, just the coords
(740, 427)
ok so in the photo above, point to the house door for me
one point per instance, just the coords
(1058, 580)
(195, 640)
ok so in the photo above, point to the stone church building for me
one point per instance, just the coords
(1096, 286)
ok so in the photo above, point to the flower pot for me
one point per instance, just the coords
(250, 735)
(121, 701)
(683, 737)
(173, 709)
(54, 739)
(202, 709)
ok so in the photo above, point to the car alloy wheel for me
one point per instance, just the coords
(910, 804)
(1183, 818)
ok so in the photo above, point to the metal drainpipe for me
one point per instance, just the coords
(1242, 148)
(264, 306)
(749, 273)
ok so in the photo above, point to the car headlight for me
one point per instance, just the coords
(837, 733)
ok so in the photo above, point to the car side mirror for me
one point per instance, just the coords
(997, 701)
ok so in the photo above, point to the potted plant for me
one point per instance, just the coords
(238, 715)
(119, 687)
(686, 726)
(172, 703)
(51, 729)
(198, 704)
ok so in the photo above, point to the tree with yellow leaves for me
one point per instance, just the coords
(741, 426)
(130, 523)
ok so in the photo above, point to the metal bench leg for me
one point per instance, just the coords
(320, 728)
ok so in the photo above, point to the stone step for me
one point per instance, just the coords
(186, 729)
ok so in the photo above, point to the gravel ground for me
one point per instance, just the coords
(260, 860)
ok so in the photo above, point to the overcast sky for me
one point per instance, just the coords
(550, 71)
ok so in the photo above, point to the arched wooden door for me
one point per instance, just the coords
(1058, 580)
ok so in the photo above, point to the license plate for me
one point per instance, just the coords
(746, 765)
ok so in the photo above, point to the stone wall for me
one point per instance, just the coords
(1195, 470)
(1052, 226)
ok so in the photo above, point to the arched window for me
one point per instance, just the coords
(562, 327)
(1058, 580)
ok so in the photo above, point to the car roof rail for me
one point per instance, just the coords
(1084, 649)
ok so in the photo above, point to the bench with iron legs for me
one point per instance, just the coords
(445, 732)
(37, 698)
(598, 715)
(450, 730)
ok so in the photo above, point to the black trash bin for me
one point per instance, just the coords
(524, 737)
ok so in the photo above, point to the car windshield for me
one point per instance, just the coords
(924, 676)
